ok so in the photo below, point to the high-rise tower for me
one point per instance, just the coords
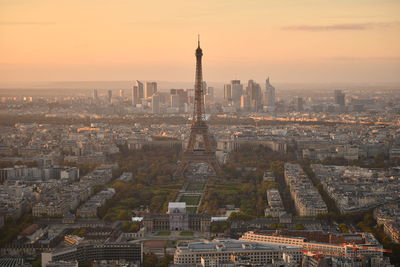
(150, 89)
(269, 94)
(95, 95)
(340, 98)
(137, 93)
(201, 145)
(253, 90)
(237, 91)
(109, 96)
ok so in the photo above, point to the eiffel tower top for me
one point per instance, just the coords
(198, 112)
(199, 52)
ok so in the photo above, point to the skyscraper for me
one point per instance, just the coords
(237, 91)
(269, 94)
(209, 96)
(204, 87)
(95, 95)
(228, 92)
(150, 89)
(245, 102)
(140, 89)
(155, 103)
(178, 98)
(109, 96)
(340, 98)
(174, 101)
(137, 93)
(300, 104)
(253, 90)
(190, 96)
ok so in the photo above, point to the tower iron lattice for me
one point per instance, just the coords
(201, 145)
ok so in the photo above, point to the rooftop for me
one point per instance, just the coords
(229, 245)
(178, 205)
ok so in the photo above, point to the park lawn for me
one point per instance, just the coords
(190, 200)
(233, 186)
(191, 210)
(195, 186)
(186, 233)
(226, 188)
(163, 190)
(164, 233)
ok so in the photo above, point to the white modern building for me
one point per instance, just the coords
(225, 252)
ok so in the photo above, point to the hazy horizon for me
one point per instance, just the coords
(164, 86)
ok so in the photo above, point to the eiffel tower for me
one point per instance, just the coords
(201, 145)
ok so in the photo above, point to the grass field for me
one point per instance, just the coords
(186, 233)
(191, 210)
(195, 186)
(164, 233)
(190, 200)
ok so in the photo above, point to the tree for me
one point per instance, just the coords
(165, 261)
(129, 202)
(276, 226)
(219, 227)
(150, 260)
(135, 227)
(299, 226)
(125, 227)
(239, 216)
(119, 186)
(277, 168)
(123, 214)
(343, 228)
(37, 262)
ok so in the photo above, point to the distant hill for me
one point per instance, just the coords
(106, 85)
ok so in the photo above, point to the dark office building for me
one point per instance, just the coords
(340, 98)
(299, 104)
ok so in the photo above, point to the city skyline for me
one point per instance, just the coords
(307, 41)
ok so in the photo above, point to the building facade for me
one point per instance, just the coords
(177, 219)
(106, 251)
(326, 249)
(221, 252)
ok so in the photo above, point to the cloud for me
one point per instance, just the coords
(387, 59)
(341, 27)
(23, 23)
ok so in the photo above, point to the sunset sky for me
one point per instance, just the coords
(289, 40)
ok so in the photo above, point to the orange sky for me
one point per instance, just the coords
(289, 40)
